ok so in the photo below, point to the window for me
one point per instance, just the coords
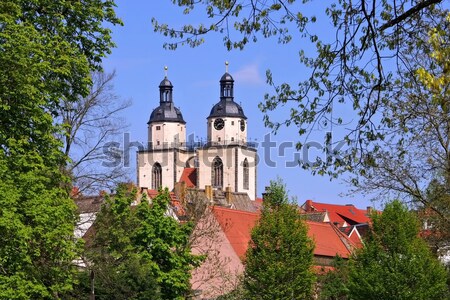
(246, 174)
(218, 139)
(217, 172)
(232, 139)
(157, 143)
(156, 176)
(232, 122)
(158, 127)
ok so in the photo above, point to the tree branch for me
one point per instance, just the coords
(408, 13)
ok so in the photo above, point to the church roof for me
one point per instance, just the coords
(226, 77)
(165, 83)
(227, 109)
(189, 176)
(166, 112)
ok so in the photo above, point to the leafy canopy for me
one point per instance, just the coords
(144, 244)
(394, 262)
(279, 259)
(47, 50)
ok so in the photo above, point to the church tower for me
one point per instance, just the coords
(227, 123)
(159, 165)
(228, 162)
(166, 126)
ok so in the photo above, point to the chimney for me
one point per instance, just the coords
(308, 206)
(75, 193)
(144, 190)
(369, 210)
(208, 192)
(180, 190)
(228, 194)
(265, 194)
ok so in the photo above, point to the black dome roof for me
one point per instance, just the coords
(165, 83)
(226, 77)
(226, 106)
(166, 112)
(227, 109)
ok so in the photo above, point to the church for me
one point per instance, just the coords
(226, 161)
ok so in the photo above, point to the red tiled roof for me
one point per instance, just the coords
(355, 238)
(176, 204)
(258, 203)
(328, 239)
(339, 213)
(237, 226)
(189, 176)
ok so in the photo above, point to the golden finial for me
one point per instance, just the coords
(165, 71)
(226, 66)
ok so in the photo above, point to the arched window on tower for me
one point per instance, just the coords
(156, 176)
(246, 174)
(217, 172)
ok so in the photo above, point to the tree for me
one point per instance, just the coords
(90, 122)
(47, 50)
(144, 245)
(359, 69)
(413, 163)
(333, 284)
(394, 262)
(279, 259)
(437, 229)
(120, 270)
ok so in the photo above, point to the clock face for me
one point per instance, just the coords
(219, 124)
(242, 125)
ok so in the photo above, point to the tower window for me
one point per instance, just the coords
(158, 127)
(232, 139)
(232, 122)
(156, 176)
(217, 172)
(246, 174)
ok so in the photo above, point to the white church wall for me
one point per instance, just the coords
(167, 134)
(146, 160)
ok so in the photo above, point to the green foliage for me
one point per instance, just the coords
(395, 263)
(333, 284)
(140, 252)
(276, 194)
(47, 50)
(37, 218)
(279, 259)
(435, 215)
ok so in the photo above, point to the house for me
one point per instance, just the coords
(226, 248)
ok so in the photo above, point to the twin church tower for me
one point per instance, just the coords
(226, 161)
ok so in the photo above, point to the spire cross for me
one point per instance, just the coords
(165, 71)
(226, 67)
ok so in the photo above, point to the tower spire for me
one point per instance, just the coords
(226, 66)
(165, 71)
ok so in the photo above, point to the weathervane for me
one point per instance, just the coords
(226, 66)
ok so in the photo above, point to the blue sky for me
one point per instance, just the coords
(139, 61)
